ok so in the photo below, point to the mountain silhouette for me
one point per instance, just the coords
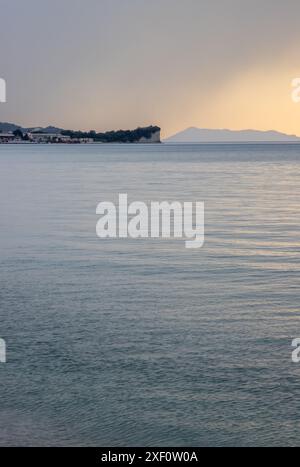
(199, 135)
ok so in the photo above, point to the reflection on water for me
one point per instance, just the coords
(143, 342)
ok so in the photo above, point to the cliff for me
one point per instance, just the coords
(154, 138)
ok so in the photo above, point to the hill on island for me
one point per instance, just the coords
(10, 127)
(199, 135)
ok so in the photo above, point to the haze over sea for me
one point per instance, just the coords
(144, 342)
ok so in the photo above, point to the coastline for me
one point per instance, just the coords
(11, 133)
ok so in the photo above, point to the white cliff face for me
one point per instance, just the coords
(155, 138)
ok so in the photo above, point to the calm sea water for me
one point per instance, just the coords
(143, 342)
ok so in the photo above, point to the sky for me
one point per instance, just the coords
(110, 64)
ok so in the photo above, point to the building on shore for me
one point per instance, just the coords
(48, 135)
(39, 137)
(7, 137)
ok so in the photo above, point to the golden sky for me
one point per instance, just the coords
(109, 64)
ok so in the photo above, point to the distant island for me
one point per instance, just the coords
(11, 133)
(198, 135)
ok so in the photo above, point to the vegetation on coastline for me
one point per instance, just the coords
(120, 136)
(13, 133)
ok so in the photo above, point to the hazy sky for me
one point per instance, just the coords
(108, 64)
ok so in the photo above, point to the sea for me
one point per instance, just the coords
(143, 342)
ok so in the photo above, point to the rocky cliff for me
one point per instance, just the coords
(154, 138)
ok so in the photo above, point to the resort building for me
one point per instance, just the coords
(6, 137)
(48, 138)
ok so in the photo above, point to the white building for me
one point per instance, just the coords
(39, 137)
(6, 137)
